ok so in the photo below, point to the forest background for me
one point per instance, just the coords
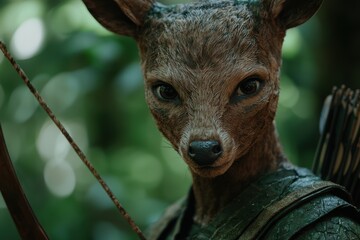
(92, 80)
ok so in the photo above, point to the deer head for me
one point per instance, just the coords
(211, 70)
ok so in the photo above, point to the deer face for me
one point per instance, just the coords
(211, 71)
(211, 80)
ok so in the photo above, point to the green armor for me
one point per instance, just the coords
(286, 204)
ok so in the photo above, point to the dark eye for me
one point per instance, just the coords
(165, 92)
(248, 87)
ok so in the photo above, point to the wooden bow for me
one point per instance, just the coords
(15, 199)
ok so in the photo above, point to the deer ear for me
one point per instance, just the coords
(123, 17)
(292, 13)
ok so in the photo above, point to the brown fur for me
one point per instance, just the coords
(204, 50)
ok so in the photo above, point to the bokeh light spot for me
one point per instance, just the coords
(61, 91)
(51, 144)
(292, 43)
(22, 104)
(304, 109)
(59, 178)
(16, 12)
(290, 94)
(28, 39)
(72, 16)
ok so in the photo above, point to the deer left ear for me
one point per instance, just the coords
(291, 13)
(123, 17)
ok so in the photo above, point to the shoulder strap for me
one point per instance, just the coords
(306, 217)
(297, 210)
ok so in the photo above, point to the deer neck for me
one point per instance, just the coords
(213, 194)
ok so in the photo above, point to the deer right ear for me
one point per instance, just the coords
(123, 17)
(291, 13)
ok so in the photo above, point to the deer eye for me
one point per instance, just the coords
(165, 92)
(248, 87)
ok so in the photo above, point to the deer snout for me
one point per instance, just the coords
(204, 153)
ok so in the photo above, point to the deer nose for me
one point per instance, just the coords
(204, 152)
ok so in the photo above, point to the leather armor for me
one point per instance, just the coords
(286, 204)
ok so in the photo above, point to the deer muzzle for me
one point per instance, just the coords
(204, 153)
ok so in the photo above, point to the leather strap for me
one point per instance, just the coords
(305, 218)
(280, 208)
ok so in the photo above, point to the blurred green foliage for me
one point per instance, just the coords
(92, 81)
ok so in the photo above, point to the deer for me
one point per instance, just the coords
(212, 75)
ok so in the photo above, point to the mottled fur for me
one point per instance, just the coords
(204, 50)
(220, 45)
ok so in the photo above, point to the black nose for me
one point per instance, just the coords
(204, 152)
